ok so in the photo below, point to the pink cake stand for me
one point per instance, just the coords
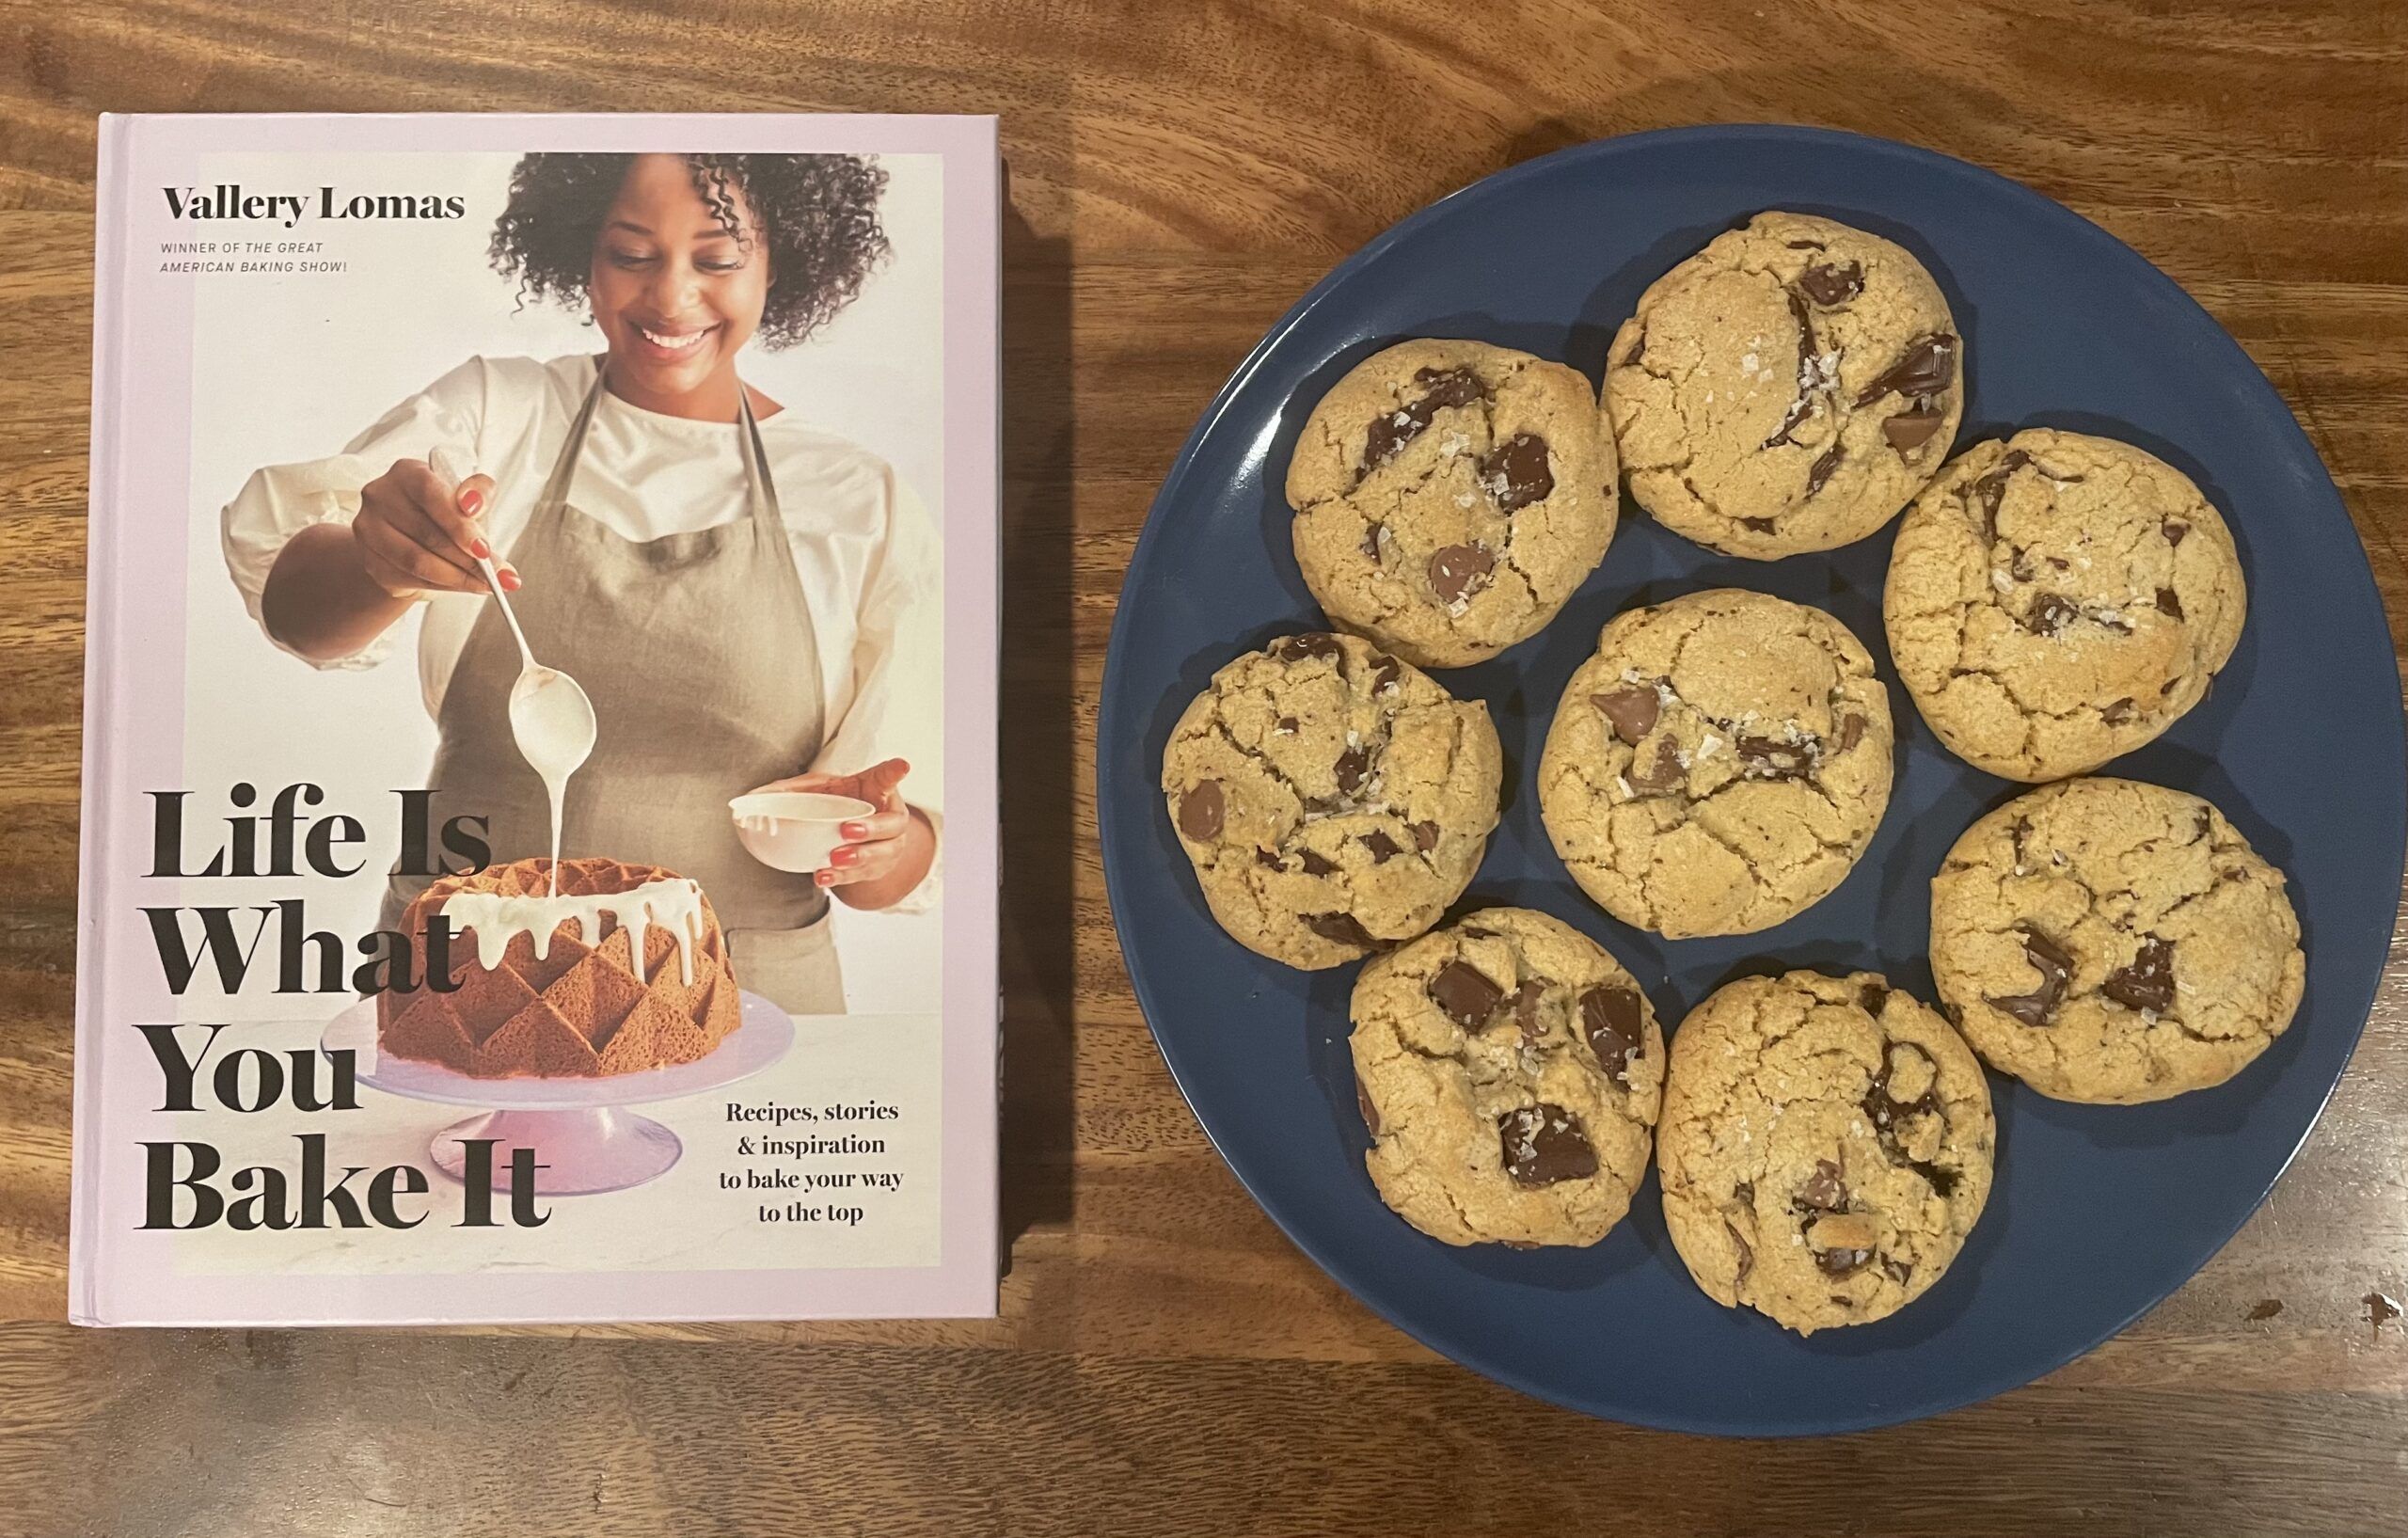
(583, 1135)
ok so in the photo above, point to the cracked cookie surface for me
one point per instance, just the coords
(1718, 764)
(1333, 800)
(2104, 940)
(1787, 388)
(2055, 600)
(1825, 1146)
(1510, 1072)
(1449, 496)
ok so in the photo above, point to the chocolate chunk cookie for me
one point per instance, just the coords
(1509, 1071)
(1718, 765)
(2058, 599)
(2105, 939)
(1787, 388)
(1825, 1146)
(1449, 495)
(1333, 799)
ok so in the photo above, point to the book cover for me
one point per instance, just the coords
(539, 826)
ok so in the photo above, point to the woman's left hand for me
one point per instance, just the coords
(878, 846)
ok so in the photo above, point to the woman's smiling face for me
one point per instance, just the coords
(674, 293)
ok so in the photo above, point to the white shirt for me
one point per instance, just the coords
(863, 547)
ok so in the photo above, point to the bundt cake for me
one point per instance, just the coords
(622, 969)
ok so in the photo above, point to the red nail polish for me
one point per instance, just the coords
(854, 829)
(482, 550)
(470, 501)
(510, 582)
(843, 857)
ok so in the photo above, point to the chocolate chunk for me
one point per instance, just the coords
(1851, 731)
(1842, 1262)
(1457, 386)
(1820, 471)
(1354, 767)
(1372, 540)
(1371, 1112)
(1747, 1255)
(1200, 811)
(1516, 472)
(1632, 709)
(1543, 1144)
(1666, 774)
(1888, 1114)
(2117, 712)
(2172, 530)
(1383, 847)
(1637, 346)
(1317, 864)
(1287, 727)
(1764, 758)
(2049, 614)
(2168, 603)
(1762, 526)
(1611, 1019)
(1810, 374)
(1388, 433)
(1304, 647)
(1458, 571)
(1441, 388)
(1472, 932)
(1913, 428)
(1526, 1008)
(2053, 966)
(1923, 368)
(2381, 1310)
(2146, 982)
(1807, 246)
(1897, 1271)
(1943, 1182)
(1385, 671)
(1268, 860)
(1824, 1190)
(1425, 836)
(1832, 283)
(1990, 488)
(1465, 996)
(1342, 927)
(1874, 996)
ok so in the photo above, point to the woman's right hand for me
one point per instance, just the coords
(417, 536)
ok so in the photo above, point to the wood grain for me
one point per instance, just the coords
(1166, 1362)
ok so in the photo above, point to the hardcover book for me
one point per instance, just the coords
(539, 842)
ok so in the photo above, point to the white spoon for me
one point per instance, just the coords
(550, 716)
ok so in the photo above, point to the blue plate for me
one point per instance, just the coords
(2099, 1212)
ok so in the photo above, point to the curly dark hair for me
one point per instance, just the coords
(817, 213)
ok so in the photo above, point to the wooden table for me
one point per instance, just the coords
(1166, 1362)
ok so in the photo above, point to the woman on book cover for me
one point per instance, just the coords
(730, 586)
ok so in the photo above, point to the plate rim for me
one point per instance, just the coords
(1209, 420)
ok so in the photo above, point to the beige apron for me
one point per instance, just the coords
(700, 655)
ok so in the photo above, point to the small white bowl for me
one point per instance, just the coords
(794, 830)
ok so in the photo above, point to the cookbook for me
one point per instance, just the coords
(539, 809)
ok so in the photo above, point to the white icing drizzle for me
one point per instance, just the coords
(674, 902)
